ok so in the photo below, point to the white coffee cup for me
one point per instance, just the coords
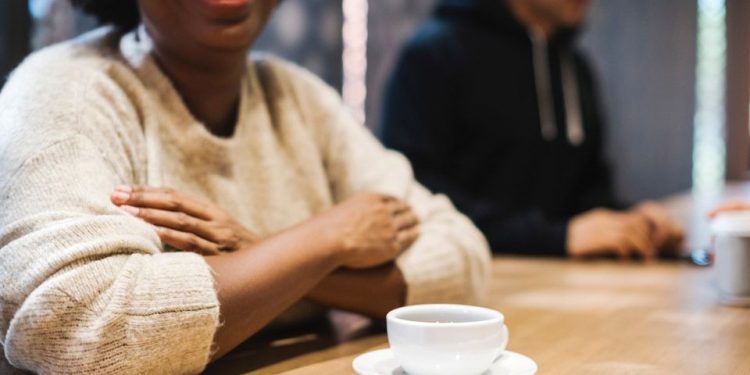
(731, 232)
(445, 339)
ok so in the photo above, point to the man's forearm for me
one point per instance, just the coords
(372, 292)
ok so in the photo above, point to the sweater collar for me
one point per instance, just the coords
(496, 15)
(136, 48)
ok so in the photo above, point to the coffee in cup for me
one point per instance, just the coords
(444, 339)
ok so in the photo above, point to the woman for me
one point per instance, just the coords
(111, 145)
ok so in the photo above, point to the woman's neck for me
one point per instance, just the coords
(209, 88)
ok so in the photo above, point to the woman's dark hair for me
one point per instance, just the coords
(123, 14)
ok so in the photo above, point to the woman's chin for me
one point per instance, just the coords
(228, 37)
(237, 33)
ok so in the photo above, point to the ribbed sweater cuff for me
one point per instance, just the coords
(181, 281)
(185, 285)
(172, 312)
(159, 316)
(433, 274)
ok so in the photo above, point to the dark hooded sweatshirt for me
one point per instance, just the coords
(507, 124)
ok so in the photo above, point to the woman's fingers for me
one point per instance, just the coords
(405, 220)
(160, 198)
(398, 206)
(403, 215)
(407, 224)
(170, 209)
(187, 241)
(407, 237)
(179, 221)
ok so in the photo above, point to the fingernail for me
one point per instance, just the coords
(120, 196)
(124, 188)
(130, 209)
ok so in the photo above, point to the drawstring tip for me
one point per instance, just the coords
(549, 133)
(576, 139)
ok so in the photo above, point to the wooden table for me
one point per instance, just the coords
(571, 317)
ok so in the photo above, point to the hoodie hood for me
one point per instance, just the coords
(495, 14)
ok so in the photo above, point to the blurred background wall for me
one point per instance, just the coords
(387, 35)
(307, 32)
(644, 52)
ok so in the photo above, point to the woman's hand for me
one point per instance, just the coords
(371, 229)
(184, 222)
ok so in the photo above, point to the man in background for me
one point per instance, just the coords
(497, 108)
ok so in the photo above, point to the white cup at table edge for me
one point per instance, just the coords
(731, 232)
(443, 339)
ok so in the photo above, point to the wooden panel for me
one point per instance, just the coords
(15, 27)
(738, 89)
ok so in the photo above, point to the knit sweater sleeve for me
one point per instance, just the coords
(450, 262)
(85, 288)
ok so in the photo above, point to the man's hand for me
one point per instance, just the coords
(735, 205)
(607, 232)
(665, 233)
(184, 222)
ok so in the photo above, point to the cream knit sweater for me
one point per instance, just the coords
(86, 288)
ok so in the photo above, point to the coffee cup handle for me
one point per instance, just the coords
(504, 337)
(504, 340)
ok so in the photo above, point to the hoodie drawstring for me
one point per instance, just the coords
(572, 101)
(543, 88)
(542, 80)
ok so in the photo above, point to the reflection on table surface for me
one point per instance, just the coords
(339, 334)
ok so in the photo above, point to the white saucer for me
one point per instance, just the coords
(382, 362)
